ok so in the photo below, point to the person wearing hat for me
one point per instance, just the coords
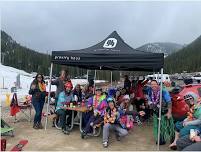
(111, 121)
(96, 106)
(119, 96)
(193, 120)
(64, 98)
(126, 108)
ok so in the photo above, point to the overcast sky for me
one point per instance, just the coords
(74, 25)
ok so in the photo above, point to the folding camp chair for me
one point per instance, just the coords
(25, 107)
(6, 130)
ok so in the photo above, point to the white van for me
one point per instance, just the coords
(166, 77)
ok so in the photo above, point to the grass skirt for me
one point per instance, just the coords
(167, 130)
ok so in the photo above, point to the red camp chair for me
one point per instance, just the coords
(21, 106)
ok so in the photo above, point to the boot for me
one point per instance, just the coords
(83, 134)
(162, 141)
(40, 126)
(35, 126)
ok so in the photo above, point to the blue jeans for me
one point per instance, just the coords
(119, 131)
(38, 106)
(95, 120)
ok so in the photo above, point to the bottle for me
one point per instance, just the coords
(71, 104)
(83, 103)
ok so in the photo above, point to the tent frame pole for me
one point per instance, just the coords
(87, 75)
(111, 74)
(48, 99)
(158, 77)
(94, 82)
(159, 119)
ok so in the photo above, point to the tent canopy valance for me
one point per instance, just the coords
(110, 54)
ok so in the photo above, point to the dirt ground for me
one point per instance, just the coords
(140, 138)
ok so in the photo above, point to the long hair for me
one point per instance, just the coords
(110, 110)
(36, 78)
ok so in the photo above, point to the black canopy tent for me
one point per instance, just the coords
(110, 54)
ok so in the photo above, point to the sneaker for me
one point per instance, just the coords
(105, 144)
(65, 131)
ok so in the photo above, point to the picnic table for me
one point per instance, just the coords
(80, 110)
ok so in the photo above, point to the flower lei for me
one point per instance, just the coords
(42, 86)
(113, 116)
(155, 96)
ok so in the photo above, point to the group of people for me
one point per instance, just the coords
(188, 131)
(114, 108)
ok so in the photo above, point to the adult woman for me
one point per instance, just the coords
(38, 92)
(111, 121)
(78, 92)
(167, 125)
(97, 106)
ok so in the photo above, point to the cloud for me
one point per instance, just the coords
(46, 26)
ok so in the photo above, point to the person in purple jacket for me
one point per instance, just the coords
(96, 105)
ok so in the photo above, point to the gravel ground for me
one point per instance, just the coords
(140, 138)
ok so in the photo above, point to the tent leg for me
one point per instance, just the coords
(87, 75)
(94, 82)
(159, 119)
(158, 77)
(48, 99)
(111, 79)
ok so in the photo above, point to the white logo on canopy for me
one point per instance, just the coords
(110, 43)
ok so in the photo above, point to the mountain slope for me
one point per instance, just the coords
(20, 57)
(187, 59)
(161, 47)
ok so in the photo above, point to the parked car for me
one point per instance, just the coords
(179, 96)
